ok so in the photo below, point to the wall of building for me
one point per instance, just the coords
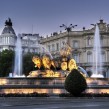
(82, 45)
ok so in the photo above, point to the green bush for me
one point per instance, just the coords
(75, 83)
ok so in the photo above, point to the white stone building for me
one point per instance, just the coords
(30, 42)
(8, 39)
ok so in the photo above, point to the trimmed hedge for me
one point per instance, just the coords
(34, 94)
(75, 83)
(87, 95)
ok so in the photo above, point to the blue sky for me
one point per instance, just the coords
(45, 16)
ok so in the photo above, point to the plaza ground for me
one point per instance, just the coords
(53, 103)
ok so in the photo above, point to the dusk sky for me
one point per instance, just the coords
(45, 16)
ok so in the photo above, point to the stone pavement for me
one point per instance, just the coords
(53, 103)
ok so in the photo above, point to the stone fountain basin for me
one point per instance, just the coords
(50, 85)
(47, 80)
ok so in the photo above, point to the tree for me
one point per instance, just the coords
(28, 65)
(6, 62)
(75, 83)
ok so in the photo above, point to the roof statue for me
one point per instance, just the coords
(8, 22)
(8, 27)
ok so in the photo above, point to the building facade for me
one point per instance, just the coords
(8, 39)
(30, 43)
(82, 46)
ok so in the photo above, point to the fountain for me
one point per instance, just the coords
(97, 59)
(47, 67)
(50, 76)
(43, 50)
(18, 58)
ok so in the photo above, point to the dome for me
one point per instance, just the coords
(8, 30)
(8, 27)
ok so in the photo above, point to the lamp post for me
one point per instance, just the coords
(67, 49)
(68, 29)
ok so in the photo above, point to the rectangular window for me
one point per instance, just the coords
(53, 47)
(76, 57)
(57, 46)
(89, 57)
(75, 44)
(101, 41)
(88, 41)
(49, 48)
(103, 57)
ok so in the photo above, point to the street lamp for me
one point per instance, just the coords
(67, 45)
(68, 28)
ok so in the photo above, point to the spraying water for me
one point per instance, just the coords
(43, 50)
(18, 57)
(97, 58)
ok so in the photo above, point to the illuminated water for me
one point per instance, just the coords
(18, 58)
(43, 50)
(97, 57)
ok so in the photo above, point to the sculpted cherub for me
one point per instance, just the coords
(64, 65)
(46, 61)
(72, 64)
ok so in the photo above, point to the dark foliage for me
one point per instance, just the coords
(35, 94)
(6, 62)
(27, 63)
(75, 83)
(88, 95)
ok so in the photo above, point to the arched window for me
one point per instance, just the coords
(57, 46)
(76, 57)
(49, 47)
(53, 47)
(103, 57)
(75, 44)
(101, 41)
(89, 56)
(88, 41)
